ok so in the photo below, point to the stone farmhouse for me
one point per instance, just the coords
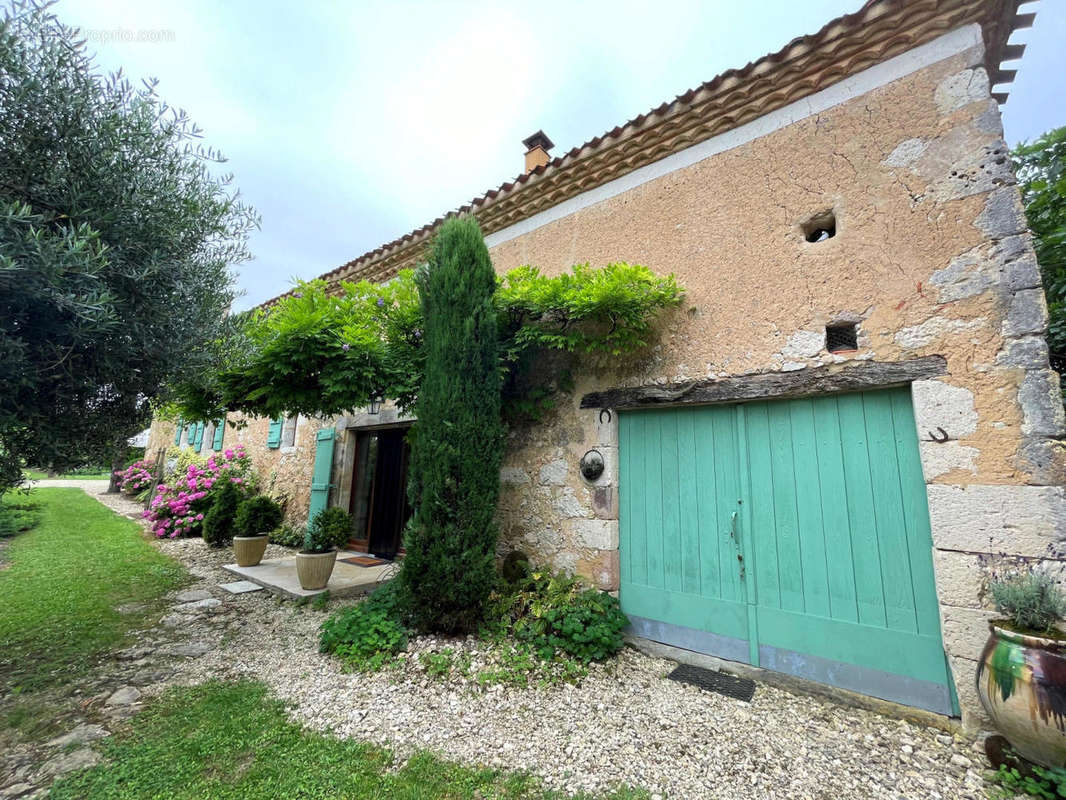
(852, 404)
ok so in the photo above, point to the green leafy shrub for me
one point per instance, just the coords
(219, 519)
(454, 486)
(331, 527)
(288, 535)
(1031, 600)
(184, 457)
(392, 599)
(558, 614)
(363, 636)
(18, 514)
(256, 515)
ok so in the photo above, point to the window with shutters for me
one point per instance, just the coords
(288, 431)
(219, 434)
(274, 433)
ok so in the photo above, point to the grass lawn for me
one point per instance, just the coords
(37, 475)
(232, 740)
(218, 740)
(62, 582)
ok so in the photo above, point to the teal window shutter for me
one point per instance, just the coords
(322, 473)
(190, 433)
(199, 441)
(220, 431)
(274, 436)
(177, 431)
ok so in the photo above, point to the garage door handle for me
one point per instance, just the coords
(733, 526)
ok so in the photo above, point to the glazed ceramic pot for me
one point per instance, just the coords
(314, 569)
(1021, 680)
(249, 550)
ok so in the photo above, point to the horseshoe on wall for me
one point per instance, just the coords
(606, 411)
(939, 439)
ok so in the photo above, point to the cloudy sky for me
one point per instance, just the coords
(347, 124)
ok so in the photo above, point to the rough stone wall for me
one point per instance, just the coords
(160, 436)
(284, 473)
(930, 256)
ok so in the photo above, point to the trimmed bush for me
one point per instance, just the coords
(454, 484)
(331, 527)
(218, 522)
(256, 515)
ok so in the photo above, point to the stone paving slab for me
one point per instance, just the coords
(279, 576)
(240, 587)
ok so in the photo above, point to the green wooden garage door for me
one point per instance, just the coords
(790, 534)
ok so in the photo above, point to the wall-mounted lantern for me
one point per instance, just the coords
(591, 465)
(375, 405)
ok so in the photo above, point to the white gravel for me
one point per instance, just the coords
(624, 724)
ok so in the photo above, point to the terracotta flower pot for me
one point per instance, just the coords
(1021, 680)
(314, 569)
(249, 550)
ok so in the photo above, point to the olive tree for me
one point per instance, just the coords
(116, 238)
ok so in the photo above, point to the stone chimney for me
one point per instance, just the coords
(537, 147)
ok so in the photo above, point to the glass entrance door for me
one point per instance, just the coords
(379, 504)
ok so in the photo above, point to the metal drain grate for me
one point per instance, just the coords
(711, 681)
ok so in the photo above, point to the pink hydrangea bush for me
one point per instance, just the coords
(135, 478)
(179, 504)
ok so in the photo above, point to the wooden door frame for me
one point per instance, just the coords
(348, 453)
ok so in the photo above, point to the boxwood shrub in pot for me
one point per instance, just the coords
(219, 519)
(256, 517)
(331, 528)
(1021, 675)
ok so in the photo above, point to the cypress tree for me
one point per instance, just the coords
(457, 442)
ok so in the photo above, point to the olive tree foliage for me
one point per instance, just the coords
(1041, 169)
(325, 350)
(115, 240)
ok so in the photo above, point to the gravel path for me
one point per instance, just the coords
(625, 723)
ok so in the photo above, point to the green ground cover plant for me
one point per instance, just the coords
(63, 582)
(363, 636)
(232, 740)
(556, 615)
(1049, 784)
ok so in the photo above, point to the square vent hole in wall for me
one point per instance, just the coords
(841, 338)
(820, 227)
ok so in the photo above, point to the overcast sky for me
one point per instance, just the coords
(349, 124)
